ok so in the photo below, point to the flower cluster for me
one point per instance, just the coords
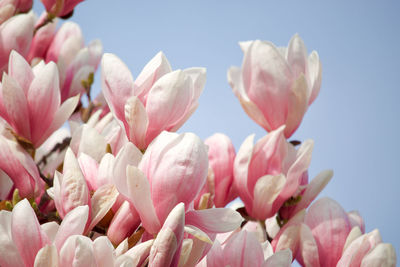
(119, 186)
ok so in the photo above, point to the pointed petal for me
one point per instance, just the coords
(216, 220)
(243, 249)
(16, 105)
(20, 70)
(266, 191)
(139, 194)
(73, 224)
(43, 100)
(103, 252)
(157, 67)
(102, 201)
(25, 226)
(60, 117)
(315, 74)
(137, 121)
(117, 84)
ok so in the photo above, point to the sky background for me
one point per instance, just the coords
(355, 119)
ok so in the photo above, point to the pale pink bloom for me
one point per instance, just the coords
(367, 250)
(270, 172)
(243, 249)
(75, 61)
(221, 155)
(30, 100)
(172, 170)
(15, 34)
(19, 166)
(332, 237)
(70, 190)
(21, 225)
(60, 8)
(159, 99)
(276, 85)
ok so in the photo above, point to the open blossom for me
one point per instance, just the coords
(276, 85)
(159, 99)
(272, 171)
(332, 237)
(30, 100)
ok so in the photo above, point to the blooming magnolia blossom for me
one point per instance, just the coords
(30, 100)
(159, 99)
(272, 171)
(276, 85)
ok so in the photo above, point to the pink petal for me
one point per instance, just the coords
(124, 223)
(241, 168)
(308, 249)
(103, 252)
(381, 255)
(243, 250)
(313, 189)
(16, 105)
(139, 194)
(117, 84)
(25, 226)
(73, 224)
(315, 74)
(9, 255)
(236, 82)
(266, 191)
(281, 258)
(137, 121)
(216, 220)
(356, 220)
(60, 117)
(20, 71)
(215, 258)
(89, 169)
(297, 105)
(297, 56)
(102, 201)
(157, 67)
(77, 251)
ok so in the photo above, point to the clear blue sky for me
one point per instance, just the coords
(354, 121)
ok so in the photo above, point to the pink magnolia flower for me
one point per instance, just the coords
(60, 8)
(75, 61)
(30, 100)
(159, 99)
(332, 237)
(15, 34)
(275, 85)
(45, 241)
(243, 249)
(172, 170)
(270, 172)
(70, 190)
(221, 155)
